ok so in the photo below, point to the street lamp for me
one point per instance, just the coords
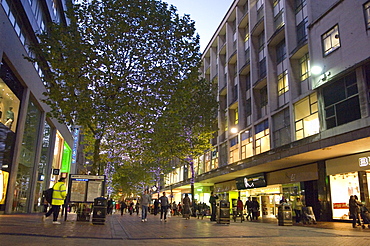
(234, 130)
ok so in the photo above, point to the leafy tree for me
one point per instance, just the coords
(116, 65)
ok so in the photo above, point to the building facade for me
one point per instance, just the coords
(35, 150)
(293, 82)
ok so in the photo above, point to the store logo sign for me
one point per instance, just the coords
(364, 161)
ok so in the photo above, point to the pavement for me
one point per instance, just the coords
(29, 229)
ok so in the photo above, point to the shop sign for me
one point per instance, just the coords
(342, 205)
(251, 181)
(364, 161)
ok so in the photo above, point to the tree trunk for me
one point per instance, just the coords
(96, 162)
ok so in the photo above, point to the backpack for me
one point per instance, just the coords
(48, 195)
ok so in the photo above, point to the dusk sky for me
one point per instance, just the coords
(207, 15)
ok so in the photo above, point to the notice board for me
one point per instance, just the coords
(85, 188)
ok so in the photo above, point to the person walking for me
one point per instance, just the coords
(298, 210)
(164, 205)
(144, 201)
(354, 210)
(255, 208)
(123, 206)
(186, 206)
(239, 210)
(156, 207)
(212, 201)
(248, 207)
(59, 194)
(137, 206)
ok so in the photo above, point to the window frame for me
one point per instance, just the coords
(332, 34)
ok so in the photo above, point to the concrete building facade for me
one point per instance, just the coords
(293, 82)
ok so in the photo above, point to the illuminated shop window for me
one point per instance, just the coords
(342, 186)
(306, 117)
(262, 137)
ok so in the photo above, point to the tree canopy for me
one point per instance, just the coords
(123, 67)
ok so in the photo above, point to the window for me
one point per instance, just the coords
(278, 14)
(246, 144)
(281, 128)
(260, 9)
(236, 116)
(301, 21)
(263, 96)
(283, 85)
(262, 137)
(262, 68)
(367, 14)
(341, 101)
(306, 117)
(214, 160)
(248, 107)
(248, 81)
(304, 64)
(247, 47)
(280, 52)
(331, 40)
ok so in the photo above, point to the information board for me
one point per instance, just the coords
(85, 188)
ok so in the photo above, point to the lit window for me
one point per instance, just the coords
(306, 117)
(331, 40)
(304, 64)
(246, 144)
(262, 137)
(236, 115)
(283, 85)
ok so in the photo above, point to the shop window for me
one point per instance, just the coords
(246, 144)
(341, 101)
(27, 159)
(342, 186)
(42, 168)
(331, 40)
(262, 137)
(9, 101)
(281, 128)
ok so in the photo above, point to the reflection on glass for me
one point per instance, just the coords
(27, 159)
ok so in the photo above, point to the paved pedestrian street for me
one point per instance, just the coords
(28, 229)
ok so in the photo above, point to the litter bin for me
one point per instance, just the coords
(223, 212)
(285, 215)
(99, 211)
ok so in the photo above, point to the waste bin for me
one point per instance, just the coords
(99, 211)
(223, 212)
(285, 215)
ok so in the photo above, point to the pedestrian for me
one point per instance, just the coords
(212, 201)
(110, 206)
(59, 194)
(156, 206)
(186, 206)
(239, 210)
(174, 208)
(354, 210)
(123, 206)
(255, 208)
(248, 207)
(145, 201)
(298, 210)
(131, 207)
(137, 206)
(164, 205)
(179, 209)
